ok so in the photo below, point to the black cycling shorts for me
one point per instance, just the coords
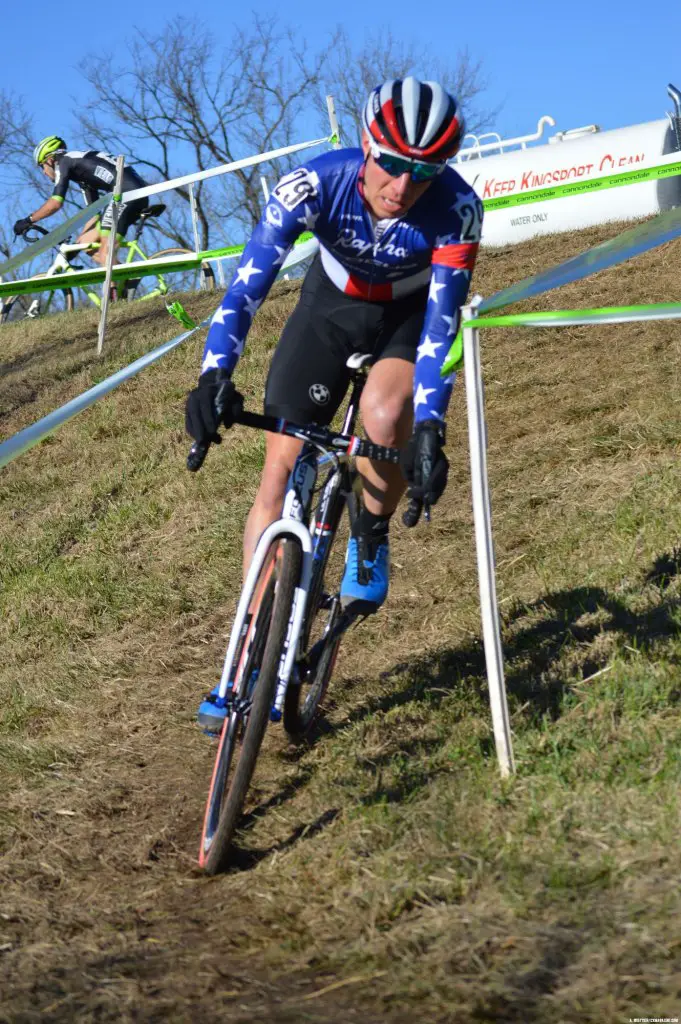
(308, 377)
(128, 213)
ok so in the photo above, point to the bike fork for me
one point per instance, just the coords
(295, 625)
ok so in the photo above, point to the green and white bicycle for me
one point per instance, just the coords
(34, 304)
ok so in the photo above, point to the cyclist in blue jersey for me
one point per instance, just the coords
(398, 231)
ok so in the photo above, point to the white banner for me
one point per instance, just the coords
(236, 165)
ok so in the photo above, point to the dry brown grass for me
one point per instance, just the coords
(387, 874)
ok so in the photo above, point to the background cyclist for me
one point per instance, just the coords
(94, 172)
(398, 230)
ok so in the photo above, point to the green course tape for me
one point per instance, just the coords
(236, 250)
(575, 188)
(95, 276)
(85, 278)
(576, 317)
(562, 318)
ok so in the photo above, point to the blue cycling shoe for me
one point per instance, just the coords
(212, 713)
(364, 587)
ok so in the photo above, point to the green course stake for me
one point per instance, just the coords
(177, 310)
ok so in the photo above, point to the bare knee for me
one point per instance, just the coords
(387, 418)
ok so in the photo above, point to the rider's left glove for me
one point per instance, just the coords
(424, 464)
(214, 403)
(23, 224)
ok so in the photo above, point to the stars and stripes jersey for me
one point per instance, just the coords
(434, 244)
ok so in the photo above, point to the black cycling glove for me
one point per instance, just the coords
(22, 225)
(214, 403)
(424, 463)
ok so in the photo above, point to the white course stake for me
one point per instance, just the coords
(118, 188)
(195, 218)
(484, 544)
(333, 121)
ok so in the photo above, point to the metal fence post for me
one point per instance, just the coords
(484, 543)
(115, 206)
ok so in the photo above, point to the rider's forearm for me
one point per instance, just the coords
(49, 207)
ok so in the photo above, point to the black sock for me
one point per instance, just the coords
(374, 529)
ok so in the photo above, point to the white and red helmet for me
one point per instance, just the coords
(417, 119)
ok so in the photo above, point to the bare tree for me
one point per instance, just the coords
(351, 74)
(16, 146)
(180, 104)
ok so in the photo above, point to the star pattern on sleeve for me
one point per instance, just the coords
(309, 219)
(246, 272)
(252, 305)
(428, 349)
(220, 314)
(211, 361)
(435, 287)
(282, 253)
(449, 320)
(421, 395)
(238, 344)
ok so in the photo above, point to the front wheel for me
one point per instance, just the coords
(203, 277)
(27, 307)
(257, 659)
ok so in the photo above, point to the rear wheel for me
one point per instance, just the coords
(257, 659)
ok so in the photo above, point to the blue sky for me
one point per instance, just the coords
(581, 62)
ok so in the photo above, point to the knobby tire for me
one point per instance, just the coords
(205, 270)
(303, 700)
(284, 573)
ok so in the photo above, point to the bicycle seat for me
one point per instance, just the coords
(152, 211)
(359, 359)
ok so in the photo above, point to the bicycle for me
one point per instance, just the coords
(30, 306)
(288, 624)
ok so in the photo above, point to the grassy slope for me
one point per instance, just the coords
(389, 857)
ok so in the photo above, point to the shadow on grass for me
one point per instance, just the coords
(536, 639)
(244, 858)
(43, 350)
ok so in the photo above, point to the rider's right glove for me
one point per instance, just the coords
(214, 403)
(22, 225)
(424, 464)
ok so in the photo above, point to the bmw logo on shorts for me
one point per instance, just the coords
(320, 394)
